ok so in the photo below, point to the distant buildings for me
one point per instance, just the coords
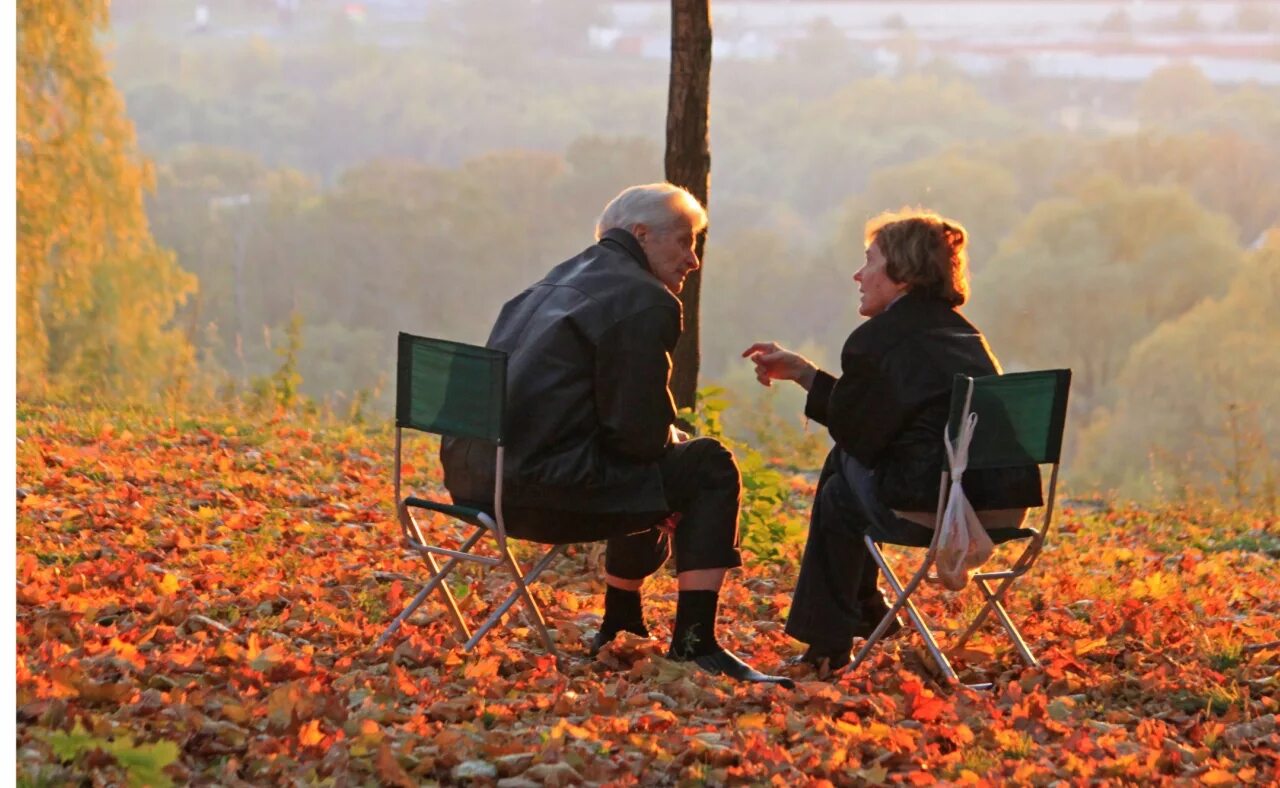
(1113, 40)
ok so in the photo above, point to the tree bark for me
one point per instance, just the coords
(688, 163)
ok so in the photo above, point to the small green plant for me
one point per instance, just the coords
(282, 389)
(1225, 656)
(976, 759)
(143, 763)
(762, 516)
(286, 380)
(1019, 746)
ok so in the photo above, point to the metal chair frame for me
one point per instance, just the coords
(482, 522)
(983, 580)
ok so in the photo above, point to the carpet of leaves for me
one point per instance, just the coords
(198, 601)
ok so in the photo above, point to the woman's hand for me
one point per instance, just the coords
(774, 362)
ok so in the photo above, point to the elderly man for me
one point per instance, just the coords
(592, 452)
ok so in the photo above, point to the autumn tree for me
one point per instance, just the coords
(95, 293)
(688, 161)
(981, 195)
(1173, 92)
(1225, 171)
(1089, 274)
(1195, 401)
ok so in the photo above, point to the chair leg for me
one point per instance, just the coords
(532, 605)
(981, 617)
(903, 600)
(917, 618)
(994, 603)
(449, 602)
(552, 554)
(438, 575)
(408, 611)
(521, 591)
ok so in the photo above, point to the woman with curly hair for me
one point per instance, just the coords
(886, 412)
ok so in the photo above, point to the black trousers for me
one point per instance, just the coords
(701, 481)
(836, 591)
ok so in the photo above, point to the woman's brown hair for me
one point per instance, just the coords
(925, 251)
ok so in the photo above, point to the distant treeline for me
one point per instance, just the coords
(371, 189)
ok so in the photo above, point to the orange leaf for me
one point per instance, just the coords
(370, 729)
(482, 668)
(169, 584)
(1217, 777)
(389, 770)
(927, 709)
(1084, 645)
(310, 735)
(254, 648)
(128, 652)
(750, 721)
(403, 683)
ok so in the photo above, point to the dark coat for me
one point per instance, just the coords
(588, 408)
(889, 407)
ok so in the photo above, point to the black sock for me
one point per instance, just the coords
(622, 613)
(695, 631)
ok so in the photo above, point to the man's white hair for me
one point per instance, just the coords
(655, 205)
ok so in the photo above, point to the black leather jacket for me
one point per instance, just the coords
(588, 408)
(889, 407)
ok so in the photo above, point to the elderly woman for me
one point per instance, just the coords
(887, 412)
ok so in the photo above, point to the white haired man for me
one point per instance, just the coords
(592, 451)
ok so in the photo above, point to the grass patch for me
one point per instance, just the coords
(1256, 541)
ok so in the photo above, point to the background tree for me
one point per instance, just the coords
(1173, 92)
(688, 161)
(1223, 170)
(1088, 275)
(1195, 403)
(981, 195)
(95, 294)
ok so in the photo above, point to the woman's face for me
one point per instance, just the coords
(878, 290)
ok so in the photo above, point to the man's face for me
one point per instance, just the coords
(669, 252)
(878, 290)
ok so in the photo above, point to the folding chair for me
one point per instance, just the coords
(1020, 420)
(451, 389)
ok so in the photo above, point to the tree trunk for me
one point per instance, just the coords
(688, 162)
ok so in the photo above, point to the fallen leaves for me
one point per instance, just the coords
(198, 603)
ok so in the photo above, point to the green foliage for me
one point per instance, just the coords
(1225, 171)
(1172, 92)
(1086, 276)
(1194, 400)
(766, 516)
(143, 763)
(279, 391)
(286, 380)
(982, 195)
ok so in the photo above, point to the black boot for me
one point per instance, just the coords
(622, 613)
(824, 659)
(694, 639)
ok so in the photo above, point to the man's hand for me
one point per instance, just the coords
(774, 362)
(678, 435)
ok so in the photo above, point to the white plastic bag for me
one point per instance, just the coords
(963, 544)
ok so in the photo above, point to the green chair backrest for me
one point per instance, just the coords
(1020, 417)
(449, 388)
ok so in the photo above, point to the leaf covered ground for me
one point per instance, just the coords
(197, 602)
